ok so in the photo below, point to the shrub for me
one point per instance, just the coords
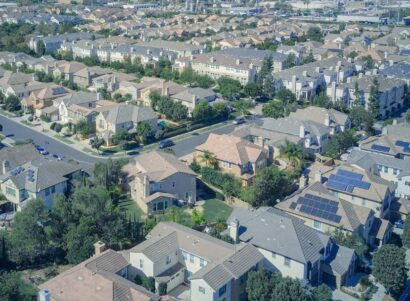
(45, 118)
(30, 118)
(162, 289)
(53, 125)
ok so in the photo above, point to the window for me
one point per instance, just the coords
(317, 224)
(222, 291)
(47, 191)
(174, 184)
(273, 255)
(53, 189)
(202, 262)
(191, 258)
(201, 289)
(287, 261)
(407, 183)
(395, 171)
(10, 191)
(168, 261)
(184, 254)
(141, 263)
(385, 169)
(363, 202)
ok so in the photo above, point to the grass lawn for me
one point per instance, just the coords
(216, 210)
(131, 208)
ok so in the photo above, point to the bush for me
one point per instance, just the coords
(58, 127)
(53, 125)
(45, 118)
(30, 118)
(195, 166)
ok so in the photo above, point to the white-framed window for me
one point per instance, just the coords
(191, 258)
(141, 263)
(273, 255)
(286, 261)
(202, 262)
(168, 261)
(201, 289)
(317, 224)
(395, 171)
(385, 169)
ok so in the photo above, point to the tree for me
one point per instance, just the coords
(273, 109)
(198, 218)
(243, 106)
(13, 287)
(269, 185)
(97, 143)
(293, 153)
(285, 96)
(289, 289)
(28, 238)
(143, 131)
(260, 285)
(229, 88)
(202, 111)
(83, 128)
(389, 268)
(290, 60)
(352, 241)
(80, 240)
(362, 119)
(221, 110)
(264, 80)
(339, 143)
(357, 94)
(314, 33)
(368, 62)
(12, 103)
(179, 111)
(154, 97)
(406, 233)
(41, 48)
(251, 90)
(109, 173)
(207, 158)
(308, 59)
(374, 99)
(322, 293)
(162, 288)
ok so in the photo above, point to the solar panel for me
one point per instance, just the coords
(293, 205)
(402, 143)
(336, 185)
(349, 174)
(380, 148)
(348, 181)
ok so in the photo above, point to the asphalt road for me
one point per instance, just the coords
(17, 131)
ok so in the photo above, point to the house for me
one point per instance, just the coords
(291, 247)
(360, 187)
(270, 133)
(158, 180)
(53, 43)
(214, 269)
(182, 49)
(192, 96)
(396, 146)
(123, 117)
(83, 99)
(323, 211)
(103, 277)
(39, 178)
(234, 155)
(40, 100)
(337, 121)
(12, 157)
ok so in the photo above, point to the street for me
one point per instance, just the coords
(19, 132)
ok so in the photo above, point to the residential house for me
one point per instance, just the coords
(396, 146)
(337, 121)
(360, 187)
(234, 155)
(182, 49)
(39, 101)
(159, 180)
(123, 117)
(12, 157)
(192, 96)
(103, 277)
(291, 247)
(53, 43)
(323, 211)
(213, 268)
(39, 178)
(83, 99)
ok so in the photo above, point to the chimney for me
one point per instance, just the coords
(98, 96)
(238, 61)
(44, 295)
(5, 166)
(302, 131)
(327, 119)
(394, 121)
(304, 72)
(349, 60)
(360, 75)
(294, 83)
(339, 63)
(302, 182)
(385, 54)
(234, 229)
(99, 248)
(317, 69)
(391, 62)
(212, 59)
(148, 51)
(318, 176)
(333, 90)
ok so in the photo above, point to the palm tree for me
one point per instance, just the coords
(208, 159)
(293, 153)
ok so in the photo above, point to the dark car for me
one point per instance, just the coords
(239, 120)
(165, 143)
(399, 224)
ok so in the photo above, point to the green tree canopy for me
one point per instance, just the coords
(314, 33)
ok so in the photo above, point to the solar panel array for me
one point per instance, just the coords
(405, 145)
(17, 171)
(346, 181)
(380, 148)
(30, 175)
(319, 207)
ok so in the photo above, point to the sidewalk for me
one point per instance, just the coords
(83, 146)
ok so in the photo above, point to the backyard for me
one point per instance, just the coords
(216, 210)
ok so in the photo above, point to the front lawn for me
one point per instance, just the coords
(216, 210)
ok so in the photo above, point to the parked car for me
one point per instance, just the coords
(239, 120)
(55, 156)
(399, 224)
(165, 143)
